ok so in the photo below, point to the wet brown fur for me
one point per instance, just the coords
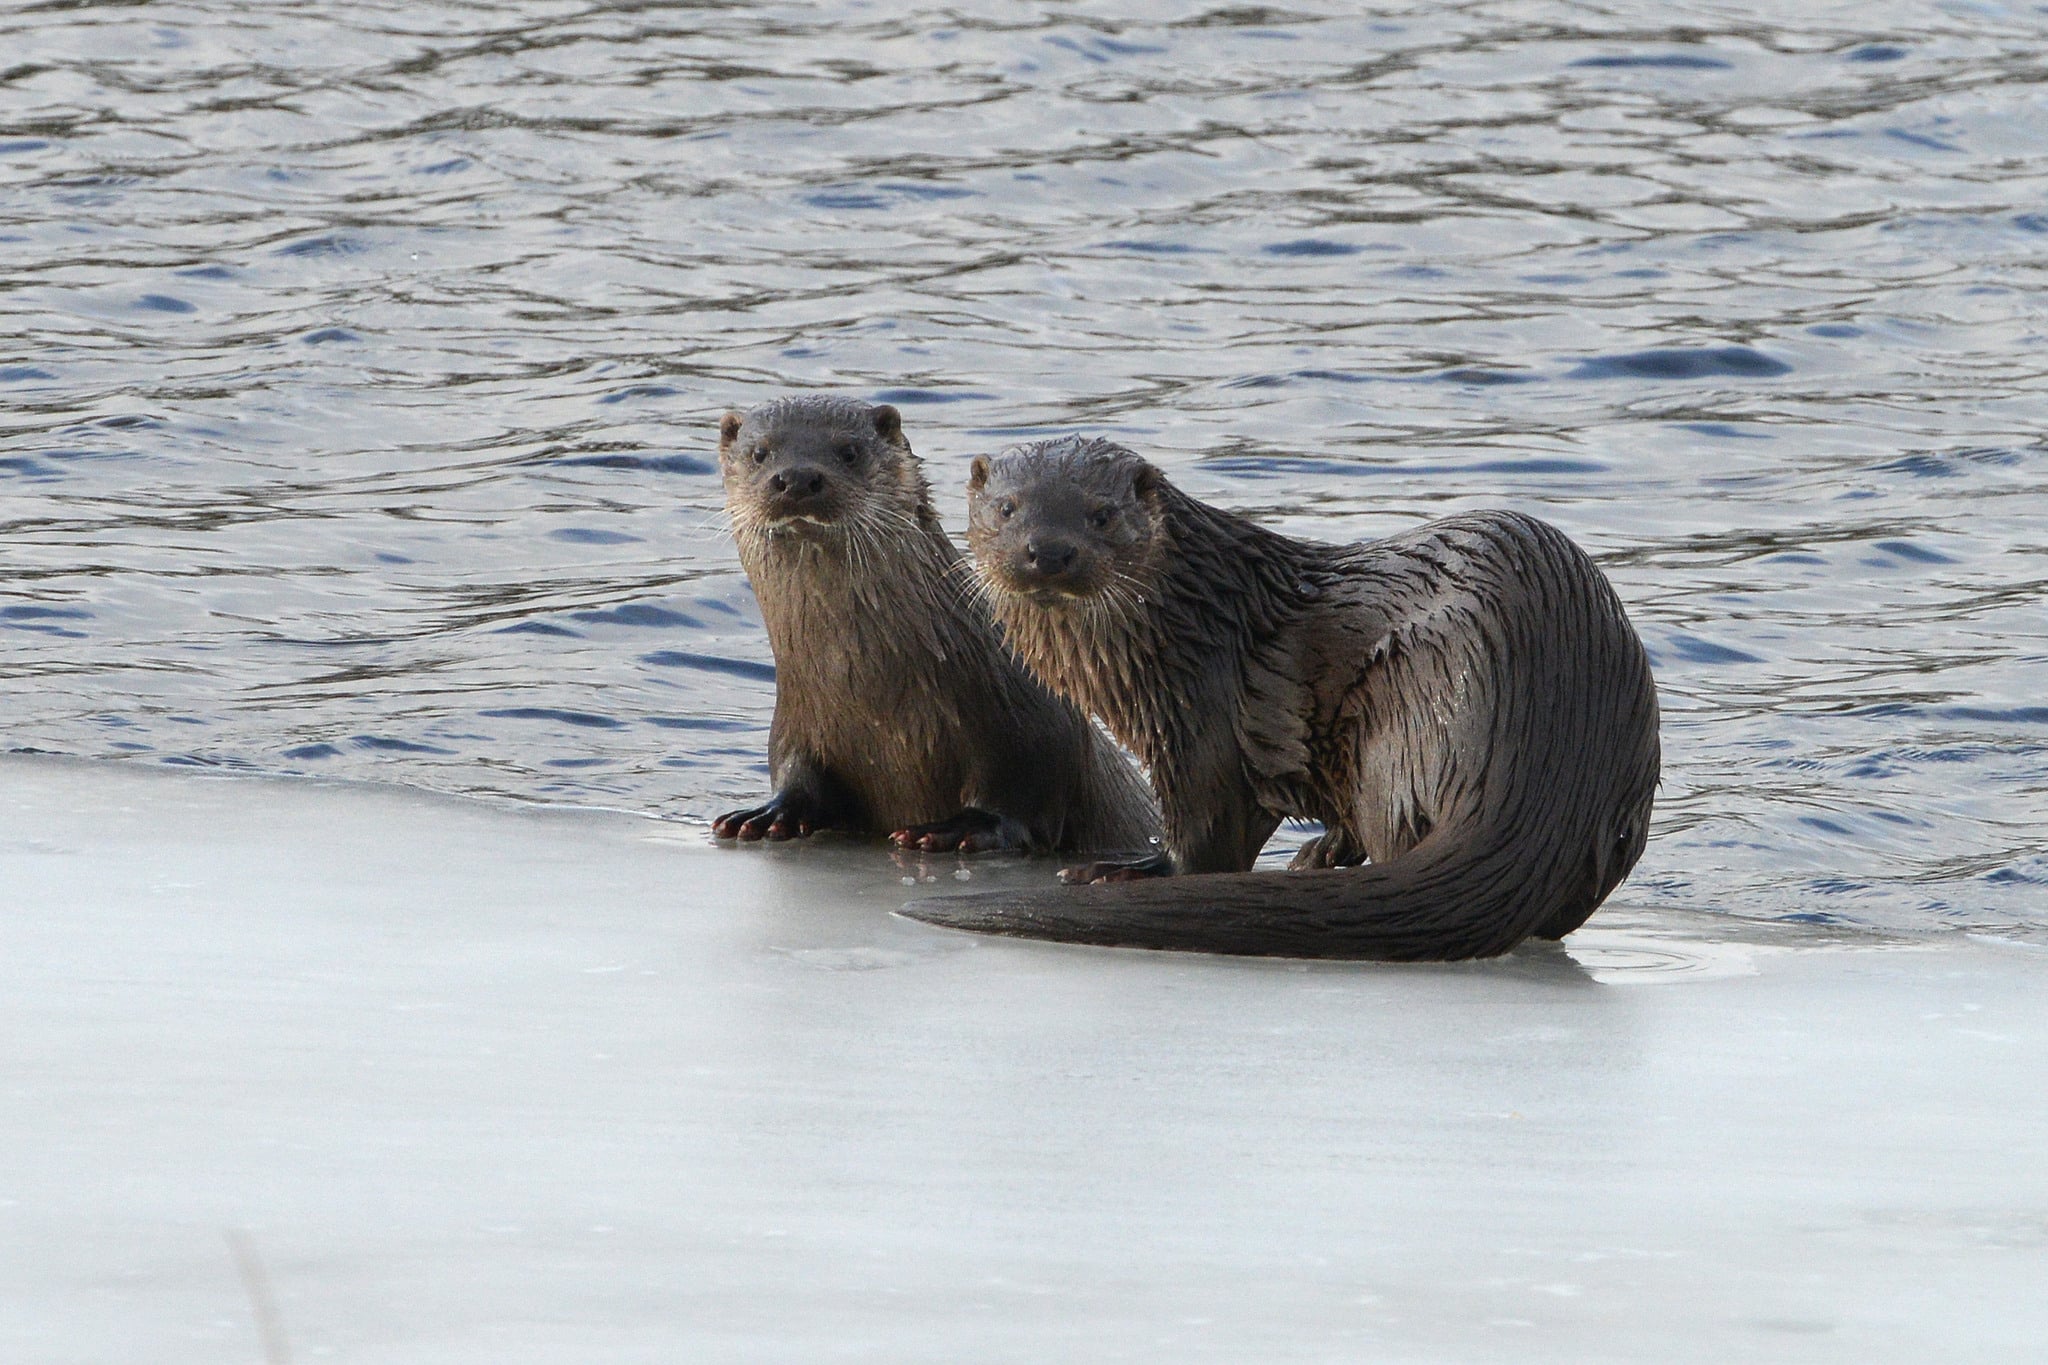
(897, 709)
(1465, 705)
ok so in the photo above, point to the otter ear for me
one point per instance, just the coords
(1147, 481)
(728, 431)
(888, 422)
(977, 474)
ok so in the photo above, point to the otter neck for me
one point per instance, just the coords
(1211, 594)
(818, 587)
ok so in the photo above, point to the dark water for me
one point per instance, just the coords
(362, 363)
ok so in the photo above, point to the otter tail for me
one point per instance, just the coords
(1446, 899)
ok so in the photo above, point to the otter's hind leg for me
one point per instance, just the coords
(1331, 848)
(1124, 870)
(1605, 868)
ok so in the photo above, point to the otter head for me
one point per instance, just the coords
(811, 465)
(1067, 521)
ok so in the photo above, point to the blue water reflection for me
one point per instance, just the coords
(364, 366)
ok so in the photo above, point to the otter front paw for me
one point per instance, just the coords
(1129, 870)
(781, 817)
(973, 830)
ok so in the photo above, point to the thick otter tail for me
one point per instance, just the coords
(1448, 898)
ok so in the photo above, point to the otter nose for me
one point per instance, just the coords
(1050, 555)
(798, 483)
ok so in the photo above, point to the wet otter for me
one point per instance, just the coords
(897, 709)
(1465, 705)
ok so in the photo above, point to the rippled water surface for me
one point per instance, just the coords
(362, 365)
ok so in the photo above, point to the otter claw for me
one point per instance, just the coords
(1129, 870)
(773, 821)
(926, 840)
(971, 831)
(740, 824)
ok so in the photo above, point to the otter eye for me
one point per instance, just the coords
(1102, 516)
(760, 453)
(847, 452)
(1006, 508)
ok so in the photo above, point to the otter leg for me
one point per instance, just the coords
(806, 802)
(1604, 870)
(1331, 848)
(1125, 870)
(973, 830)
(783, 816)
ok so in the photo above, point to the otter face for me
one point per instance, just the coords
(806, 465)
(1062, 521)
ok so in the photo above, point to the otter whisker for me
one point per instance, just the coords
(970, 585)
(717, 519)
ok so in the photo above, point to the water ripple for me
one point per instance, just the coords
(364, 365)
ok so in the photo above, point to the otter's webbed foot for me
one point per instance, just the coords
(785, 815)
(1331, 848)
(973, 830)
(1127, 870)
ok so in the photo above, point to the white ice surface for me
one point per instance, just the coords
(473, 1084)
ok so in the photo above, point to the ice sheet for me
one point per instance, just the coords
(466, 1083)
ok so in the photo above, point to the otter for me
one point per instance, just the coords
(897, 709)
(1464, 707)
